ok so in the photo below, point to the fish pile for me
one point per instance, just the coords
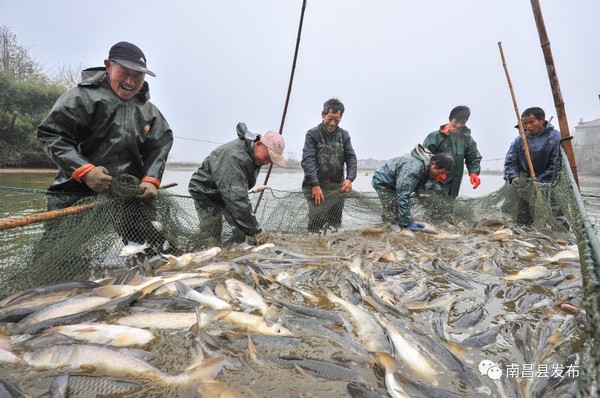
(485, 310)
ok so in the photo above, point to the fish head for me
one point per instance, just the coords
(275, 329)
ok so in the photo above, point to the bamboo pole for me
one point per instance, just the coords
(521, 129)
(287, 97)
(52, 214)
(559, 104)
(47, 215)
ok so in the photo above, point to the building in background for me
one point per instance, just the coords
(586, 146)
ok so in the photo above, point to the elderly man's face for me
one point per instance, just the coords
(125, 82)
(331, 120)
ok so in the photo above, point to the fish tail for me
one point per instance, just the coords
(205, 372)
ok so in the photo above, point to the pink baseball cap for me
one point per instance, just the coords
(275, 144)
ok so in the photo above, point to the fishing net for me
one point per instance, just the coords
(86, 241)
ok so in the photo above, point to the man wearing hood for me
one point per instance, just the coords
(106, 127)
(220, 185)
(399, 178)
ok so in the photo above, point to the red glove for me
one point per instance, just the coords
(475, 180)
(440, 178)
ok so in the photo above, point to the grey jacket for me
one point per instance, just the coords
(324, 155)
(224, 179)
(402, 176)
(91, 124)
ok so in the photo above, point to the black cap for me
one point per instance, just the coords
(130, 56)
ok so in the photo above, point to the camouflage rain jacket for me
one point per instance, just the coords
(403, 176)
(224, 178)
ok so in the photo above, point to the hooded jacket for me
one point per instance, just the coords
(224, 179)
(90, 124)
(402, 176)
(463, 149)
(543, 149)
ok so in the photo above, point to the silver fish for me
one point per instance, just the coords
(114, 335)
(206, 298)
(533, 272)
(247, 296)
(133, 248)
(407, 349)
(367, 328)
(394, 389)
(320, 368)
(87, 385)
(113, 363)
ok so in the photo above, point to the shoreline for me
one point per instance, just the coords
(22, 170)
(192, 168)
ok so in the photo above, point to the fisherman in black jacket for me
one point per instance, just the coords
(106, 127)
(327, 148)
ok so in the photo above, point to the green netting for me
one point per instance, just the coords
(86, 245)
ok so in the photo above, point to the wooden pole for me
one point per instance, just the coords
(287, 97)
(49, 215)
(556, 93)
(521, 129)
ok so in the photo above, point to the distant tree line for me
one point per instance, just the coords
(27, 94)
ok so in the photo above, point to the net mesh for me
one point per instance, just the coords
(87, 244)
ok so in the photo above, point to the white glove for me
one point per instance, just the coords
(258, 188)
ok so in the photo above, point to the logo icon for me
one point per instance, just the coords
(489, 368)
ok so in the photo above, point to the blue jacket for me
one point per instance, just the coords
(543, 149)
(404, 175)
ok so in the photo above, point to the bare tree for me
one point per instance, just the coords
(67, 76)
(15, 58)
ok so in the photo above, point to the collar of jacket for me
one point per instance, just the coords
(324, 130)
(97, 76)
(447, 128)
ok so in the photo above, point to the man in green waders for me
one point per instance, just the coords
(327, 148)
(455, 138)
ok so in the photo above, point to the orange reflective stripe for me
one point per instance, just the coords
(82, 171)
(153, 180)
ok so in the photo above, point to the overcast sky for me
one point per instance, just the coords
(398, 66)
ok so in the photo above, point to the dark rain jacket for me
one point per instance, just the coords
(224, 178)
(324, 155)
(91, 124)
(404, 176)
(543, 149)
(463, 149)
